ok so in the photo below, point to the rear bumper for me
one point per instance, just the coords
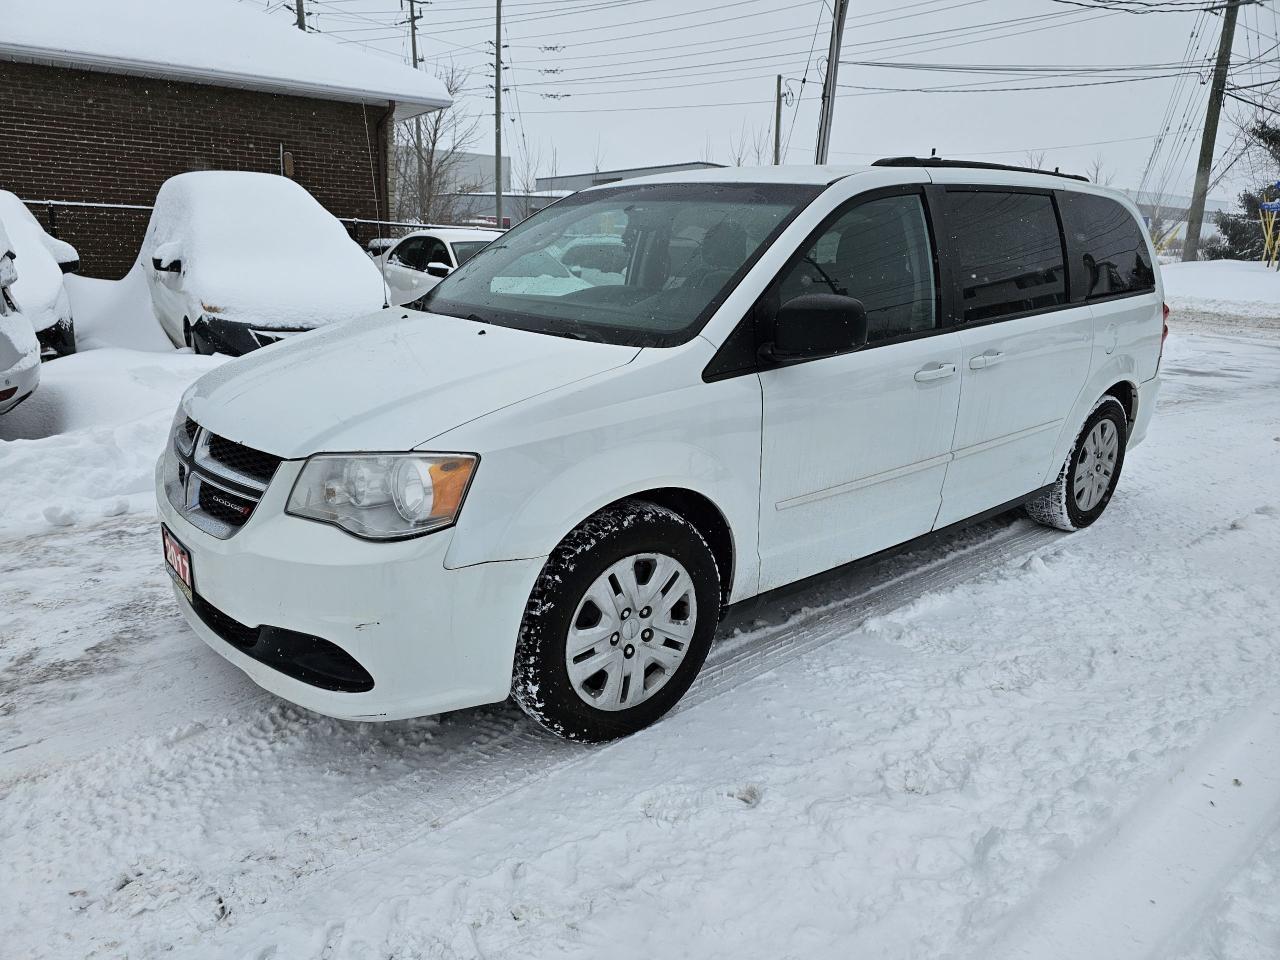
(431, 639)
(18, 383)
(1147, 393)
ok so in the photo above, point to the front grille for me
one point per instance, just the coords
(230, 508)
(243, 460)
(214, 482)
(312, 660)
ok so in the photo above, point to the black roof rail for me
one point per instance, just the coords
(972, 164)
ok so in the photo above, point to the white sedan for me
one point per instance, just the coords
(419, 261)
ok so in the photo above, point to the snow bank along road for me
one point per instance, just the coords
(1009, 743)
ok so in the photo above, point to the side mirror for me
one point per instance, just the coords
(816, 325)
(69, 266)
(438, 269)
(166, 266)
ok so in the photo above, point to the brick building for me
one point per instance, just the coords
(100, 103)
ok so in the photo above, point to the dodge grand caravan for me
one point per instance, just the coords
(523, 486)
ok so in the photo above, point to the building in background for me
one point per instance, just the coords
(100, 103)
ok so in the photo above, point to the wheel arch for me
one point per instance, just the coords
(1127, 393)
(706, 518)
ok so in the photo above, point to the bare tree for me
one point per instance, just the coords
(705, 154)
(1098, 172)
(749, 145)
(527, 163)
(1034, 159)
(597, 158)
(428, 158)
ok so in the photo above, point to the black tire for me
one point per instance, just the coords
(540, 682)
(1059, 507)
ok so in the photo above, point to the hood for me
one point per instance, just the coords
(386, 382)
(285, 291)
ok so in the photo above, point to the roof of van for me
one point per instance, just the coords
(816, 175)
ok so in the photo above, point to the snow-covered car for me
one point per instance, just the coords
(42, 260)
(216, 288)
(554, 489)
(19, 348)
(420, 260)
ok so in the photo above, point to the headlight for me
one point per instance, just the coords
(383, 496)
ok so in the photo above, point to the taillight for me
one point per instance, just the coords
(1164, 335)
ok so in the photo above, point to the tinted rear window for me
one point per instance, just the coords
(1008, 253)
(1110, 250)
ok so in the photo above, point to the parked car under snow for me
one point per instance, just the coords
(42, 261)
(19, 349)
(235, 261)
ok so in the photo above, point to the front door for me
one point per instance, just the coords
(855, 447)
(1026, 349)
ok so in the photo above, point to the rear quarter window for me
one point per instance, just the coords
(1107, 246)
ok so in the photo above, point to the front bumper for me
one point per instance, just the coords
(432, 639)
(58, 340)
(211, 335)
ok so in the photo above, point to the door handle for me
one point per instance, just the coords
(988, 359)
(936, 371)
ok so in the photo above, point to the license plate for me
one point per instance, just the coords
(178, 559)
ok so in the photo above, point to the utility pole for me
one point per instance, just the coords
(497, 115)
(1195, 215)
(299, 8)
(419, 175)
(827, 114)
(777, 122)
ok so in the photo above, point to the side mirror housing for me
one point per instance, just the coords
(69, 266)
(167, 257)
(816, 325)
(438, 269)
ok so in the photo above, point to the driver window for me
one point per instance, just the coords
(879, 253)
(409, 253)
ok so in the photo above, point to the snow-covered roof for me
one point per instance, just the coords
(220, 42)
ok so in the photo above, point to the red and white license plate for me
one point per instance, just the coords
(178, 559)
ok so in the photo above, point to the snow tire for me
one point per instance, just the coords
(1058, 507)
(540, 681)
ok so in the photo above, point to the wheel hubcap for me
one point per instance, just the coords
(631, 631)
(1096, 466)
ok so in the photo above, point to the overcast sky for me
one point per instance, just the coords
(664, 81)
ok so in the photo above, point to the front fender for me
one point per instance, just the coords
(549, 463)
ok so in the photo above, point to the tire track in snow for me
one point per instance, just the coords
(1142, 885)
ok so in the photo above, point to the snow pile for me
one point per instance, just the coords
(39, 289)
(116, 313)
(86, 443)
(259, 248)
(1236, 287)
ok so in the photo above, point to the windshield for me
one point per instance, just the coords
(464, 250)
(645, 265)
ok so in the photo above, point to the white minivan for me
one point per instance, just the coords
(552, 491)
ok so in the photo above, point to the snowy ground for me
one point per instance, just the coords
(1009, 743)
(1229, 296)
